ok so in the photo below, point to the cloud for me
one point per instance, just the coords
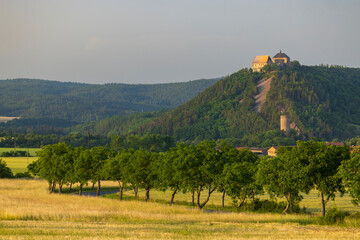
(92, 43)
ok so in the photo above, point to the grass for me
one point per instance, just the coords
(18, 164)
(32, 151)
(311, 202)
(28, 211)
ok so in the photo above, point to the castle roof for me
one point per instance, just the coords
(262, 59)
(281, 55)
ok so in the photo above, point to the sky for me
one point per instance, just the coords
(162, 41)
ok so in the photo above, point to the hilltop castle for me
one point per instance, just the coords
(280, 59)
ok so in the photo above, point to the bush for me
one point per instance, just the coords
(5, 172)
(15, 154)
(334, 215)
(23, 175)
(268, 206)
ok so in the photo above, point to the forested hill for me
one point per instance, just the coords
(87, 102)
(322, 101)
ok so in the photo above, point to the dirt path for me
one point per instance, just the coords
(263, 88)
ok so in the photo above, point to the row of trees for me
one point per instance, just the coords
(205, 168)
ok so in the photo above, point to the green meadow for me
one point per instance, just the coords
(18, 164)
(32, 151)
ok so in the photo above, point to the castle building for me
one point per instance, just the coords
(260, 61)
(281, 59)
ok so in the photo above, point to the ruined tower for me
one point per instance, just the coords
(285, 123)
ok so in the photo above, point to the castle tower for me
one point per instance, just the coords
(281, 59)
(285, 123)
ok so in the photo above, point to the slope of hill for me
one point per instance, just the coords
(78, 102)
(117, 125)
(323, 102)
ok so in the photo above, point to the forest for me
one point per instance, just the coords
(79, 102)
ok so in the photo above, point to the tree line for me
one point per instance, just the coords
(205, 168)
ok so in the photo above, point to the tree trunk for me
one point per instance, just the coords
(98, 189)
(292, 207)
(121, 186)
(172, 197)
(241, 202)
(147, 194)
(253, 195)
(193, 197)
(53, 186)
(322, 204)
(80, 189)
(202, 205)
(50, 186)
(136, 192)
(223, 199)
(60, 186)
(70, 187)
(93, 186)
(198, 192)
(287, 204)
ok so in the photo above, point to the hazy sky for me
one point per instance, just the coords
(156, 41)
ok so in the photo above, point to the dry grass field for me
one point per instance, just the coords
(28, 211)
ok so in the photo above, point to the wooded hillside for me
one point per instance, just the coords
(322, 101)
(88, 102)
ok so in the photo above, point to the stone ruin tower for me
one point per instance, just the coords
(285, 123)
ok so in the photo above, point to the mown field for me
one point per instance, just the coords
(28, 211)
(32, 151)
(18, 164)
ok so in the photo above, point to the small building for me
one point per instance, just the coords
(258, 151)
(272, 151)
(281, 59)
(338, 144)
(260, 61)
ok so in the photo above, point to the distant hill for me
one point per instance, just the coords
(77, 102)
(323, 102)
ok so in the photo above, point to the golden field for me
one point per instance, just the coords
(28, 211)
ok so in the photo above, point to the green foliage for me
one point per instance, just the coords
(82, 166)
(322, 164)
(88, 102)
(15, 154)
(38, 141)
(150, 142)
(5, 172)
(238, 176)
(117, 125)
(268, 206)
(335, 216)
(23, 175)
(350, 173)
(283, 176)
